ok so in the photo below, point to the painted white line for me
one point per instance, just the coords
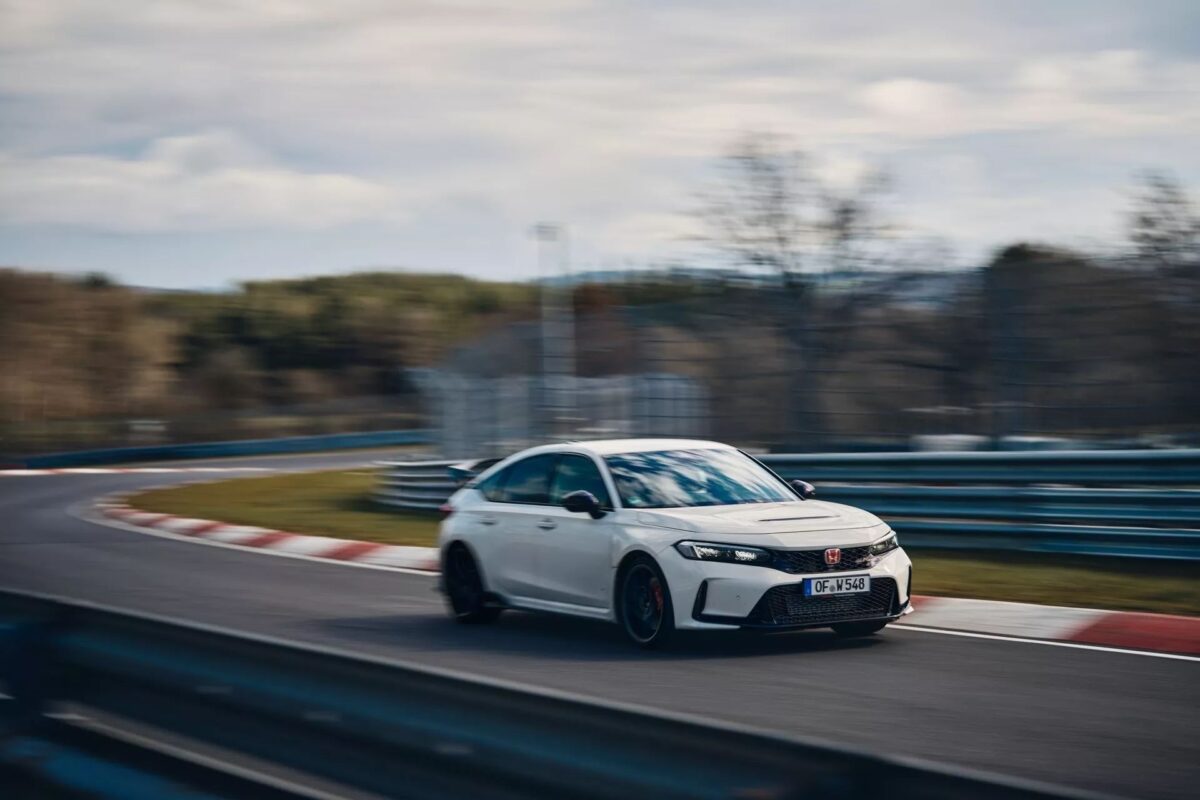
(143, 517)
(401, 556)
(308, 545)
(182, 525)
(1027, 620)
(234, 534)
(1073, 645)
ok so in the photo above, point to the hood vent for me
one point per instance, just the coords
(796, 519)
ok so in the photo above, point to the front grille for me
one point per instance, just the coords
(775, 608)
(806, 561)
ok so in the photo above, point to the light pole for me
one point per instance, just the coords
(557, 389)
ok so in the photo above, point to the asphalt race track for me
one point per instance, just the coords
(1111, 722)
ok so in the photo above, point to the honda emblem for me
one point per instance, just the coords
(833, 556)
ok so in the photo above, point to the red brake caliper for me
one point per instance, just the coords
(656, 587)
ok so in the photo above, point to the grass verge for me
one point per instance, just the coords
(338, 504)
(1123, 584)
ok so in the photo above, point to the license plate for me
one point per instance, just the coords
(842, 584)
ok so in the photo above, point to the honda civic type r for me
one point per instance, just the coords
(660, 535)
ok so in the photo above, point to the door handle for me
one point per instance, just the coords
(547, 524)
(487, 520)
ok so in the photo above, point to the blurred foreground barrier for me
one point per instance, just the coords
(241, 447)
(338, 721)
(1132, 503)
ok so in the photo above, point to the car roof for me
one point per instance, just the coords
(607, 447)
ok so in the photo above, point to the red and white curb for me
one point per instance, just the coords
(1160, 633)
(1086, 626)
(324, 547)
(16, 473)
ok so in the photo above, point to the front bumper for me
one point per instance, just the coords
(711, 595)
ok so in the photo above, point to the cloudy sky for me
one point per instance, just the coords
(192, 144)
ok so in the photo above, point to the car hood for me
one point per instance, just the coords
(796, 524)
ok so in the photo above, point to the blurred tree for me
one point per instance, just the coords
(1164, 226)
(770, 212)
(97, 280)
(762, 213)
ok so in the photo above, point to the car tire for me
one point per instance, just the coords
(851, 630)
(643, 603)
(463, 583)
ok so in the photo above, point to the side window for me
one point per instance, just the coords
(529, 481)
(493, 487)
(575, 473)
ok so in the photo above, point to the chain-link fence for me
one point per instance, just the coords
(1025, 353)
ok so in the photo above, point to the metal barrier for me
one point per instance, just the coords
(1131, 503)
(331, 719)
(240, 447)
(1077, 467)
(420, 485)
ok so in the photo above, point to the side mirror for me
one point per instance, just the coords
(803, 488)
(582, 502)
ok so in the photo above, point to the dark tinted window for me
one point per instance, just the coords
(674, 478)
(528, 481)
(577, 473)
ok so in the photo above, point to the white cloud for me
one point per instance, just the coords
(1107, 70)
(907, 97)
(209, 181)
(310, 114)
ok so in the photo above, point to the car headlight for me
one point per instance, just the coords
(729, 553)
(884, 545)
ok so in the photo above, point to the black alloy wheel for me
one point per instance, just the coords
(464, 587)
(644, 604)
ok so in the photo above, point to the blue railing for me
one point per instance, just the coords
(241, 447)
(1133, 503)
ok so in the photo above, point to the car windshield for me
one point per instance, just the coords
(679, 478)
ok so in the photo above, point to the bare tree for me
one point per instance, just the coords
(1163, 224)
(1164, 227)
(760, 214)
(770, 212)
(851, 225)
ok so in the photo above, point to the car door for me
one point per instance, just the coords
(575, 551)
(515, 515)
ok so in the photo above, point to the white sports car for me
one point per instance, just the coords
(660, 535)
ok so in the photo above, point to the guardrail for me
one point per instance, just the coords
(1131, 503)
(239, 447)
(368, 725)
(419, 485)
(1077, 467)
